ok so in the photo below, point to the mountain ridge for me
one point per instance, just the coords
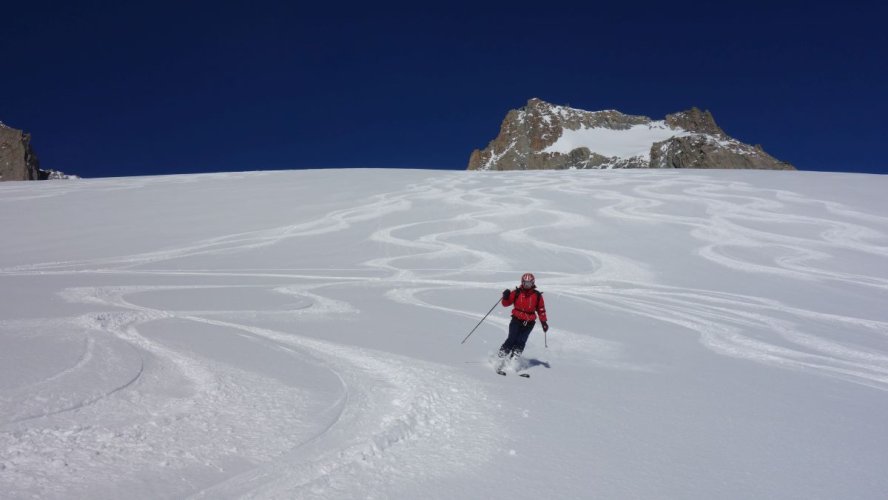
(545, 136)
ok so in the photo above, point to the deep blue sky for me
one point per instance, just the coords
(128, 88)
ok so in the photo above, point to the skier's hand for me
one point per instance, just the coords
(545, 326)
(506, 293)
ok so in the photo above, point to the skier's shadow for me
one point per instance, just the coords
(532, 362)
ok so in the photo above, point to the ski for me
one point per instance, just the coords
(498, 367)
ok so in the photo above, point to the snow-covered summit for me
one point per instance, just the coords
(542, 135)
(624, 143)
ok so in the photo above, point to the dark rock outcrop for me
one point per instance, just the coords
(694, 120)
(18, 162)
(701, 151)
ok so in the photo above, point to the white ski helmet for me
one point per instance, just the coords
(528, 281)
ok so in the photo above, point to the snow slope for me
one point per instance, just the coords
(715, 334)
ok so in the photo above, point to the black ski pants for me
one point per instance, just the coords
(518, 333)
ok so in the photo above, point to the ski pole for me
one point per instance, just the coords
(479, 323)
(546, 339)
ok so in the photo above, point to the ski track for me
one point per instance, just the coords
(386, 403)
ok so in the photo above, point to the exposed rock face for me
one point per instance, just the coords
(18, 162)
(701, 151)
(545, 136)
(697, 121)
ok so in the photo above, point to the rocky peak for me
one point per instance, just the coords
(542, 135)
(694, 120)
(574, 119)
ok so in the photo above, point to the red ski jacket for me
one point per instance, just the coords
(527, 304)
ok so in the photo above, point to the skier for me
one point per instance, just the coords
(528, 301)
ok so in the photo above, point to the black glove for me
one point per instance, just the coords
(545, 326)
(506, 294)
